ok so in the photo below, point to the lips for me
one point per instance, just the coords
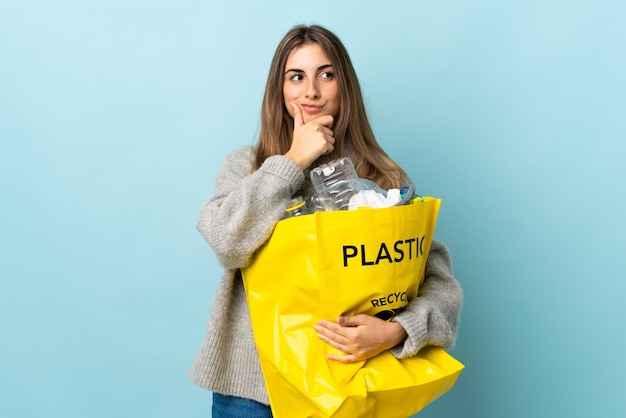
(310, 108)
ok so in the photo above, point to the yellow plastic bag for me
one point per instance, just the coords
(329, 264)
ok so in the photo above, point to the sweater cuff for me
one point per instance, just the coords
(416, 335)
(285, 168)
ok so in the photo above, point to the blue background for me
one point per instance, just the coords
(115, 115)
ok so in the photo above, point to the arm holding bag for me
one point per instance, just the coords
(329, 264)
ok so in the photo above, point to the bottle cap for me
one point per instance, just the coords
(295, 203)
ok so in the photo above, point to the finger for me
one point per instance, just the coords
(328, 134)
(333, 343)
(348, 358)
(331, 332)
(329, 146)
(330, 326)
(298, 118)
(326, 120)
(352, 321)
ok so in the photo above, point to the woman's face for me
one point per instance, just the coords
(310, 82)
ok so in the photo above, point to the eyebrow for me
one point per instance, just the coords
(320, 68)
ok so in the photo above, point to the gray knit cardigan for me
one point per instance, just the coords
(236, 220)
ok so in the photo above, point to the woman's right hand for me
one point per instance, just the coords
(310, 140)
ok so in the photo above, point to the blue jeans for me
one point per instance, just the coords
(234, 407)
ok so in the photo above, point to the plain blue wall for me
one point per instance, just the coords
(114, 117)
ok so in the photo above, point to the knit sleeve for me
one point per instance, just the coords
(241, 214)
(432, 318)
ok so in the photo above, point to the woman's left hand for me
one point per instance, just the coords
(360, 337)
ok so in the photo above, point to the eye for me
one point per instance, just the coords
(327, 75)
(296, 77)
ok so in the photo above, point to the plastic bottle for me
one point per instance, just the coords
(297, 207)
(335, 183)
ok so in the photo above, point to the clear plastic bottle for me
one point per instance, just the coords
(335, 183)
(297, 207)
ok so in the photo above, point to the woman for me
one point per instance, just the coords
(312, 113)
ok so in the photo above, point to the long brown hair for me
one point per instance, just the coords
(354, 137)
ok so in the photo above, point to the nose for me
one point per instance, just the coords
(312, 90)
